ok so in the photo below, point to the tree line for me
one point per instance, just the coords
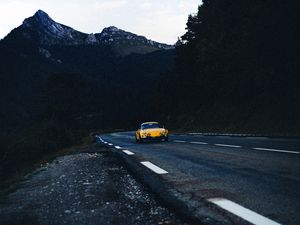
(237, 69)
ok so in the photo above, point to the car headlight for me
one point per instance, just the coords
(165, 132)
(144, 134)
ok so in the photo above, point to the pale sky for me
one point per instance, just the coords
(159, 20)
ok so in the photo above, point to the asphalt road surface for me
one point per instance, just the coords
(254, 179)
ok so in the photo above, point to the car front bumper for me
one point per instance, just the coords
(155, 138)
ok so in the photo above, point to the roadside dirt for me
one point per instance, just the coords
(90, 187)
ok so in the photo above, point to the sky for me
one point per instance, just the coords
(159, 20)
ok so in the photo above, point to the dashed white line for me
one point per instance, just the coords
(242, 212)
(261, 138)
(99, 138)
(128, 152)
(118, 147)
(200, 134)
(178, 141)
(275, 150)
(231, 146)
(154, 168)
(198, 143)
(110, 144)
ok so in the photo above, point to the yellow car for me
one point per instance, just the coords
(151, 131)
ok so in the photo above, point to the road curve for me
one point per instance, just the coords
(253, 178)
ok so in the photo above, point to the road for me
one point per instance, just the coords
(254, 179)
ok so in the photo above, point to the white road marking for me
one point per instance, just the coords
(242, 212)
(260, 138)
(118, 147)
(105, 142)
(275, 150)
(128, 152)
(110, 144)
(123, 135)
(178, 141)
(99, 138)
(198, 143)
(231, 146)
(200, 134)
(154, 168)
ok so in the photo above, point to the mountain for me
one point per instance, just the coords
(124, 42)
(45, 31)
(115, 66)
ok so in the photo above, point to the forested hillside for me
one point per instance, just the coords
(237, 69)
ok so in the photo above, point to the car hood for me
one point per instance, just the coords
(154, 130)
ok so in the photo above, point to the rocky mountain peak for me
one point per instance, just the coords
(114, 35)
(39, 18)
(51, 32)
(42, 15)
(111, 29)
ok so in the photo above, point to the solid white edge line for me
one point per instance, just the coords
(200, 134)
(128, 152)
(118, 147)
(154, 168)
(275, 150)
(231, 146)
(178, 141)
(198, 143)
(242, 212)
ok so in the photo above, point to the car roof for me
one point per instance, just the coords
(149, 122)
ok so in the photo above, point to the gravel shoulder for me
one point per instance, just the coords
(90, 187)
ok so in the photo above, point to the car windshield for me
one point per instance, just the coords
(150, 126)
